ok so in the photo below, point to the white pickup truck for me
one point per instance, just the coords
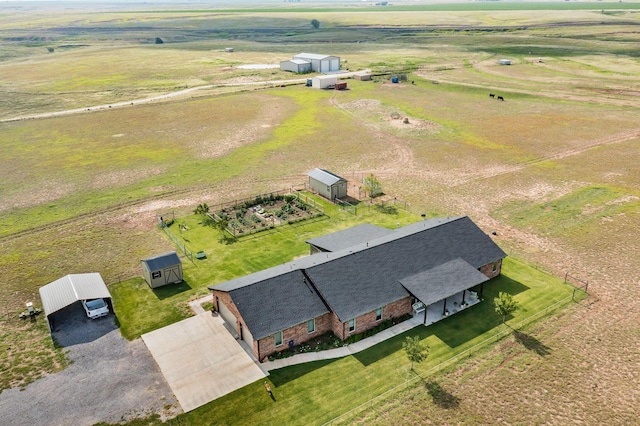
(95, 308)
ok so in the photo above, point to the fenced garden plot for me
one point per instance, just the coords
(266, 212)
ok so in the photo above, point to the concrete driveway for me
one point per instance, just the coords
(200, 360)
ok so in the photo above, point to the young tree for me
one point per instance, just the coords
(315, 23)
(202, 209)
(372, 186)
(416, 350)
(505, 305)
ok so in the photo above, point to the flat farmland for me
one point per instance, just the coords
(553, 169)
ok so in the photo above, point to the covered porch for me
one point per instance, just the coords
(444, 290)
(446, 307)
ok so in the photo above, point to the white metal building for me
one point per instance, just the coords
(296, 65)
(162, 269)
(362, 76)
(71, 289)
(320, 63)
(324, 81)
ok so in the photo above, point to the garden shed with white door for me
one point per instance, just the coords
(162, 269)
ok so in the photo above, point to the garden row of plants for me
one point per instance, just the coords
(262, 212)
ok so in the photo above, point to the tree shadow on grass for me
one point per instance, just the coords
(227, 240)
(441, 397)
(390, 346)
(478, 319)
(284, 375)
(171, 290)
(531, 343)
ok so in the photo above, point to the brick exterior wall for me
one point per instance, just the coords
(225, 298)
(366, 321)
(298, 333)
(339, 328)
(330, 322)
(488, 269)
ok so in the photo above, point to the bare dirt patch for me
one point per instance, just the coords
(232, 134)
(124, 177)
(390, 116)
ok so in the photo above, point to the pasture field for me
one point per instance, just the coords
(553, 169)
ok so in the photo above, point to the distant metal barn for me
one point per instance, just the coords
(320, 63)
(296, 65)
(162, 269)
(327, 184)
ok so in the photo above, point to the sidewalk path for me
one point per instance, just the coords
(345, 350)
(196, 307)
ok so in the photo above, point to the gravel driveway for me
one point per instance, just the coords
(108, 380)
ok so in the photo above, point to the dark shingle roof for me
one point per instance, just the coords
(443, 280)
(162, 261)
(349, 237)
(277, 303)
(362, 278)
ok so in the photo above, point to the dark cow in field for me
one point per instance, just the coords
(491, 95)
(500, 98)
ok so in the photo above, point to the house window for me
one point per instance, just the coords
(156, 274)
(494, 267)
(311, 325)
(278, 338)
(378, 314)
(352, 325)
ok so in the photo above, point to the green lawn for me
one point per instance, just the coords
(140, 309)
(316, 392)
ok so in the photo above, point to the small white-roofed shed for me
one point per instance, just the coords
(324, 81)
(327, 184)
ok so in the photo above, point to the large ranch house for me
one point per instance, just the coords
(359, 277)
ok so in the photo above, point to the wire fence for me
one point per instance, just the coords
(467, 352)
(178, 242)
(261, 219)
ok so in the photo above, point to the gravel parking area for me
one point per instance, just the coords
(109, 380)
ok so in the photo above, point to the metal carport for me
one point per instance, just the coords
(70, 289)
